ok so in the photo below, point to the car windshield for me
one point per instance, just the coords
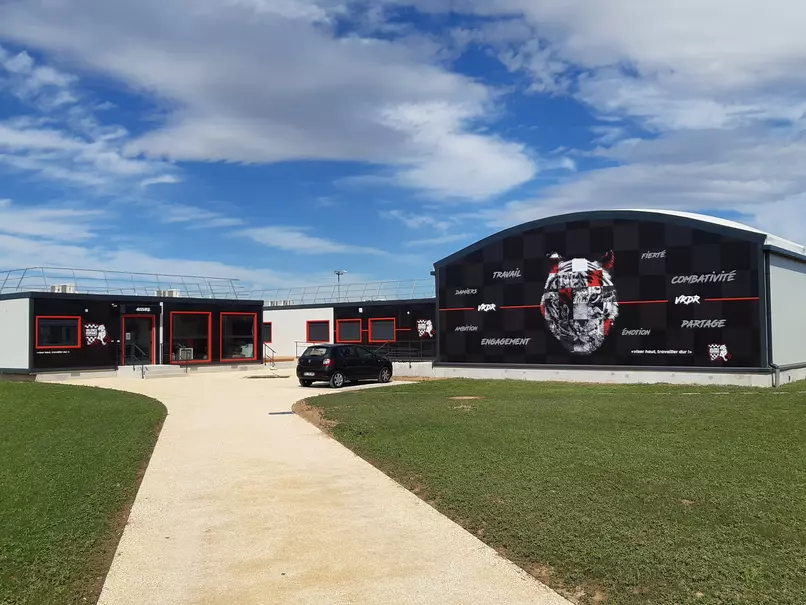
(316, 352)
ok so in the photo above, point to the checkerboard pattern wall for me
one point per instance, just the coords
(679, 290)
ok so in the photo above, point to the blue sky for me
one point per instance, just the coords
(274, 141)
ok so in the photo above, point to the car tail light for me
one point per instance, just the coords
(327, 361)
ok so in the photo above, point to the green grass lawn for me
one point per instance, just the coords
(628, 494)
(70, 463)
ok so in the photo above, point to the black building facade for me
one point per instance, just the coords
(83, 331)
(609, 288)
(402, 328)
(400, 323)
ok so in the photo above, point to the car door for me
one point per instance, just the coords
(350, 363)
(370, 363)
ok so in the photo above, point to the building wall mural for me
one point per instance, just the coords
(608, 291)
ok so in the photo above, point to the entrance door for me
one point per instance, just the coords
(138, 339)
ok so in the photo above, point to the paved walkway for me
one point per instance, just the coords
(242, 507)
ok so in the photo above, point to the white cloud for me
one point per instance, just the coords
(660, 104)
(163, 179)
(27, 80)
(51, 222)
(681, 64)
(277, 85)
(429, 219)
(607, 134)
(63, 141)
(716, 45)
(758, 174)
(56, 236)
(189, 216)
(327, 202)
(300, 241)
(57, 156)
(18, 252)
(705, 78)
(22, 139)
(718, 85)
(540, 62)
(419, 220)
(443, 157)
(440, 240)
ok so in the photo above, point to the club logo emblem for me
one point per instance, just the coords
(718, 352)
(424, 326)
(580, 303)
(96, 334)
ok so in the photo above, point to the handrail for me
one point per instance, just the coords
(141, 356)
(271, 357)
(382, 347)
(407, 349)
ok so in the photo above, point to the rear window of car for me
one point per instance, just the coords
(316, 352)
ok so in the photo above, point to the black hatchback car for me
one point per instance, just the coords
(339, 363)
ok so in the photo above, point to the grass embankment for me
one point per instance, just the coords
(70, 463)
(618, 494)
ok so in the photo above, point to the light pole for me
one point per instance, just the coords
(339, 273)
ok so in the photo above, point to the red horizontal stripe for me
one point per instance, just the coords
(521, 307)
(622, 302)
(727, 299)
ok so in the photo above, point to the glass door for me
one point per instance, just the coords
(138, 339)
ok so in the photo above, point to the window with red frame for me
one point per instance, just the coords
(318, 331)
(348, 330)
(190, 336)
(238, 335)
(381, 330)
(58, 332)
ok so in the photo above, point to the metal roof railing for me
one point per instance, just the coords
(350, 292)
(99, 281)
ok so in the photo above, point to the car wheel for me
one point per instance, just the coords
(306, 383)
(385, 375)
(337, 380)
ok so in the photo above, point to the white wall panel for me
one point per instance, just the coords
(289, 328)
(788, 306)
(15, 333)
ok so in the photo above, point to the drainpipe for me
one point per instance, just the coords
(776, 381)
(162, 329)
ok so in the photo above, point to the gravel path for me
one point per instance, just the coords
(239, 506)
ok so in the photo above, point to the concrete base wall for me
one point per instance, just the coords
(155, 371)
(425, 369)
(793, 375)
(62, 376)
